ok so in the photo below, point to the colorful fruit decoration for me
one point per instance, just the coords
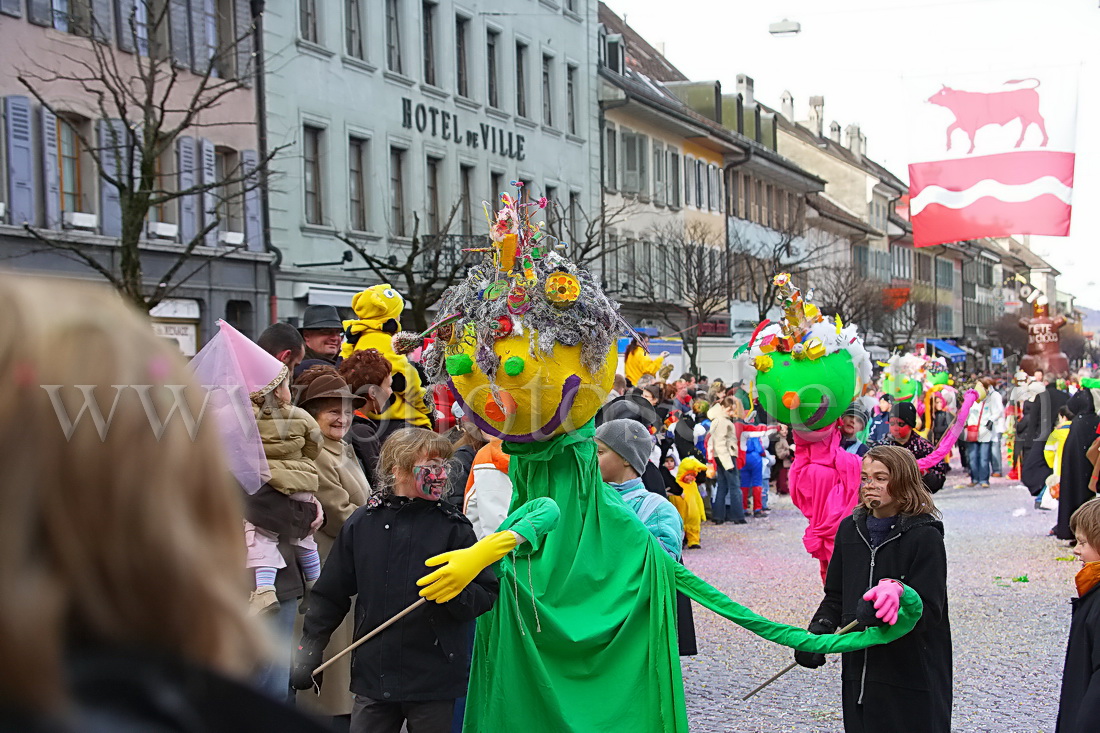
(807, 369)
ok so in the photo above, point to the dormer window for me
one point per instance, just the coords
(614, 55)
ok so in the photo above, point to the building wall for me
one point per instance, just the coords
(844, 183)
(226, 285)
(319, 84)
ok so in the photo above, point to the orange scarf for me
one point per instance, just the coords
(1087, 578)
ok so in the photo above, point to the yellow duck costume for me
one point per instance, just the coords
(379, 310)
(638, 363)
(690, 503)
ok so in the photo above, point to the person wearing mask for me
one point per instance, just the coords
(323, 333)
(903, 423)
(852, 423)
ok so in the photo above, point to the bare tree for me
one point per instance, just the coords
(424, 269)
(145, 102)
(844, 291)
(682, 276)
(589, 234)
(759, 253)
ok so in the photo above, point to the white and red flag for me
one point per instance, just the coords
(994, 155)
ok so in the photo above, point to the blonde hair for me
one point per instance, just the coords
(906, 485)
(1086, 519)
(404, 447)
(110, 532)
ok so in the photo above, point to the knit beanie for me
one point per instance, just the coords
(906, 412)
(858, 411)
(629, 439)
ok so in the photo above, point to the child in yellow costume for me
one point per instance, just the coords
(637, 362)
(379, 310)
(689, 503)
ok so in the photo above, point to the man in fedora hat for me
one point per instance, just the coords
(323, 332)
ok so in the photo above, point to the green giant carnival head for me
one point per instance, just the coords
(807, 369)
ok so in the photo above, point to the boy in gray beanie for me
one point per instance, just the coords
(624, 447)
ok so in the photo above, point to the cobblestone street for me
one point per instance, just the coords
(1009, 588)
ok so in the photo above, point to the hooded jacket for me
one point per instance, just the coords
(292, 441)
(906, 684)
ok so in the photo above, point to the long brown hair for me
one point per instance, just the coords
(110, 533)
(905, 485)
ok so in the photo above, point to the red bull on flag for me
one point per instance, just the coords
(995, 156)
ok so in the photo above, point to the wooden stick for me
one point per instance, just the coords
(791, 666)
(382, 627)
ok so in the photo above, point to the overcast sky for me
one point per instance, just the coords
(857, 54)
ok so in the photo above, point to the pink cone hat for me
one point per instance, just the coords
(234, 369)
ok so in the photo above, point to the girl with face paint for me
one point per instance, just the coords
(414, 671)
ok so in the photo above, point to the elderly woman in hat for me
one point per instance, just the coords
(342, 488)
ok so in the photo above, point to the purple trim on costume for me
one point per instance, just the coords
(569, 390)
(819, 412)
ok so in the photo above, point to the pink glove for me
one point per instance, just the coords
(887, 599)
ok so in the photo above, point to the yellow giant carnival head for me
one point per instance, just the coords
(528, 341)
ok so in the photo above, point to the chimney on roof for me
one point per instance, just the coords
(855, 140)
(817, 115)
(744, 87)
(787, 105)
(834, 132)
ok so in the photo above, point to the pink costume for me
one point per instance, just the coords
(824, 485)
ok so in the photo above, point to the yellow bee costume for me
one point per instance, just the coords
(690, 503)
(379, 309)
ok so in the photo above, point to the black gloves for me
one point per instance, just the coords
(933, 481)
(307, 657)
(865, 614)
(810, 660)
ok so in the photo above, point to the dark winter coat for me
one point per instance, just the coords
(123, 690)
(458, 471)
(1079, 707)
(1040, 415)
(1076, 468)
(366, 443)
(904, 685)
(380, 555)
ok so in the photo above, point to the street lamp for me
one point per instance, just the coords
(785, 28)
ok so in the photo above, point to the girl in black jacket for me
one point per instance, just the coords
(893, 533)
(414, 670)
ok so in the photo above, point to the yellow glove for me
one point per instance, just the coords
(460, 567)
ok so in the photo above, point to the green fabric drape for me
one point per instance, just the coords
(583, 635)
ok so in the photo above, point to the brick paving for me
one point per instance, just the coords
(1009, 634)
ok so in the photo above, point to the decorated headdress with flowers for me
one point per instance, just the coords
(807, 368)
(524, 310)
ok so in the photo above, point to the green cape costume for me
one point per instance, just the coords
(583, 635)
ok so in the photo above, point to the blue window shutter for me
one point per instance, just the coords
(185, 152)
(51, 171)
(208, 168)
(126, 20)
(12, 7)
(253, 217)
(40, 12)
(20, 155)
(242, 30)
(200, 46)
(110, 157)
(179, 18)
(103, 20)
